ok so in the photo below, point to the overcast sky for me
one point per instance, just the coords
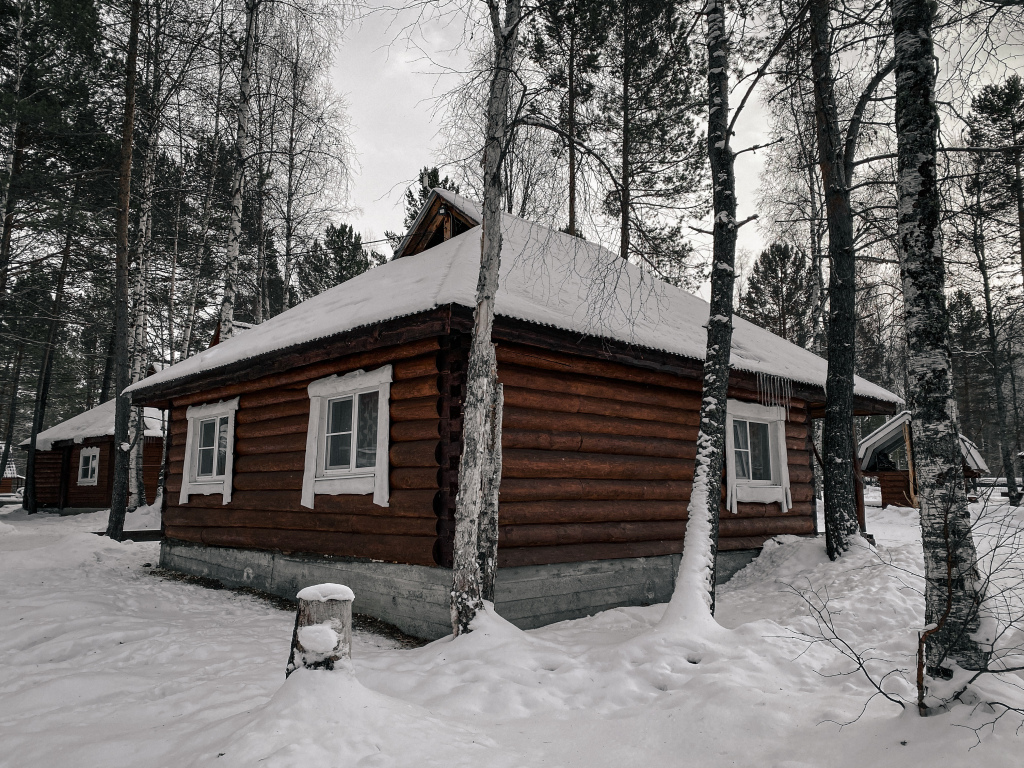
(390, 89)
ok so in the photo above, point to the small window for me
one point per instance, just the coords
(756, 462)
(209, 445)
(346, 445)
(88, 466)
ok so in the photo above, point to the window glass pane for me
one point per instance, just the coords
(222, 445)
(366, 431)
(339, 434)
(205, 468)
(339, 416)
(207, 433)
(94, 461)
(83, 469)
(739, 435)
(760, 452)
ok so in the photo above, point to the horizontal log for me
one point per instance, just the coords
(735, 543)
(415, 367)
(400, 504)
(796, 444)
(545, 420)
(533, 464)
(597, 443)
(290, 425)
(802, 492)
(272, 396)
(414, 550)
(273, 411)
(226, 517)
(511, 557)
(271, 462)
(268, 481)
(414, 478)
(424, 429)
(533, 357)
(425, 386)
(563, 403)
(588, 533)
(545, 381)
(286, 443)
(422, 453)
(176, 453)
(571, 512)
(416, 409)
(765, 526)
(545, 489)
(753, 509)
(796, 430)
(307, 373)
(798, 458)
(800, 475)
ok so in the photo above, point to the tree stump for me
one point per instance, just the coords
(323, 628)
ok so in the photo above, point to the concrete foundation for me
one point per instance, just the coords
(414, 598)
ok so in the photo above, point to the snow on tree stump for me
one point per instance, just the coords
(323, 628)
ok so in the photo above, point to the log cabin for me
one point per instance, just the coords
(74, 468)
(324, 444)
(886, 455)
(11, 481)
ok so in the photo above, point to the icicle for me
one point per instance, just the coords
(774, 391)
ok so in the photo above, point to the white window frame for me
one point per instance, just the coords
(315, 479)
(758, 491)
(93, 454)
(190, 483)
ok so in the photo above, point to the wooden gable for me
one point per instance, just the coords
(438, 221)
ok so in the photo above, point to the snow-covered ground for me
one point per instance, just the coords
(104, 664)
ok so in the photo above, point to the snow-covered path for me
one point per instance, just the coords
(103, 664)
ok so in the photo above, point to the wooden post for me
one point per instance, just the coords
(858, 484)
(323, 628)
(911, 478)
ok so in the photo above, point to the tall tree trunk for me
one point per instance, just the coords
(624, 184)
(572, 126)
(15, 156)
(839, 486)
(46, 365)
(119, 496)
(12, 408)
(694, 595)
(480, 464)
(952, 596)
(995, 358)
(241, 151)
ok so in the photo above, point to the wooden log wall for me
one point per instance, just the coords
(598, 461)
(89, 495)
(270, 440)
(48, 465)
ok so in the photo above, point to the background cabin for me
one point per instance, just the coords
(324, 445)
(886, 454)
(11, 481)
(74, 459)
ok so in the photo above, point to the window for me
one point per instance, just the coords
(756, 463)
(209, 449)
(88, 466)
(347, 439)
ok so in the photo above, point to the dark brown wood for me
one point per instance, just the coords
(510, 557)
(267, 481)
(300, 521)
(423, 453)
(425, 386)
(416, 503)
(274, 462)
(414, 478)
(545, 489)
(284, 443)
(425, 429)
(286, 426)
(271, 396)
(540, 420)
(565, 511)
(590, 386)
(588, 533)
(534, 464)
(594, 443)
(415, 367)
(566, 403)
(281, 410)
(415, 550)
(765, 526)
(415, 410)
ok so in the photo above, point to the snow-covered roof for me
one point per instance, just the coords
(547, 277)
(890, 436)
(11, 470)
(96, 422)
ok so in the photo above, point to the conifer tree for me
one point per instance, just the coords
(778, 295)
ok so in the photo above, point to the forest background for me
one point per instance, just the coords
(628, 86)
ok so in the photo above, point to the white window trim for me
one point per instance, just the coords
(373, 480)
(93, 451)
(750, 490)
(222, 485)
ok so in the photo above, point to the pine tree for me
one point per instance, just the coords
(340, 257)
(778, 295)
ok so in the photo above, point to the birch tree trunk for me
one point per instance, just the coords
(118, 503)
(241, 151)
(952, 596)
(479, 468)
(694, 595)
(840, 490)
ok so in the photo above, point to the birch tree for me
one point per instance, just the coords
(952, 588)
(476, 509)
